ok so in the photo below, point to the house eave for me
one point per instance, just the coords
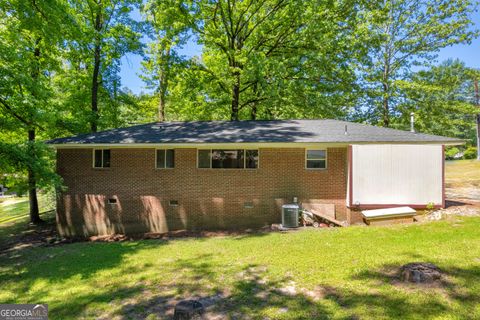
(243, 144)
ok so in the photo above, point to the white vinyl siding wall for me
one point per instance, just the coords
(397, 174)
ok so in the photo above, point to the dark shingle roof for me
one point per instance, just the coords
(252, 131)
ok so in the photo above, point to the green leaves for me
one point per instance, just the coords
(17, 158)
(442, 98)
(260, 59)
(105, 33)
(405, 34)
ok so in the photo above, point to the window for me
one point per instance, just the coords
(165, 158)
(316, 159)
(101, 158)
(251, 160)
(228, 159)
(204, 159)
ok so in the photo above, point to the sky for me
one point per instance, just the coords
(131, 67)
(131, 64)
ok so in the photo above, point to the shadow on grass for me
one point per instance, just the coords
(83, 259)
(249, 293)
(19, 233)
(33, 273)
(454, 286)
(253, 295)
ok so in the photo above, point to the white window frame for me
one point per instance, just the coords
(93, 158)
(316, 149)
(244, 158)
(165, 151)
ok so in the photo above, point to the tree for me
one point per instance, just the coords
(29, 46)
(404, 34)
(163, 61)
(107, 33)
(477, 104)
(268, 57)
(442, 98)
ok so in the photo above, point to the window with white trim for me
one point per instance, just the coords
(165, 158)
(101, 158)
(227, 158)
(316, 159)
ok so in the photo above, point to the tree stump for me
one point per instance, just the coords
(420, 272)
(189, 310)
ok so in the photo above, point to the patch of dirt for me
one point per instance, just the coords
(465, 192)
(454, 207)
(44, 234)
(160, 304)
(200, 234)
(109, 238)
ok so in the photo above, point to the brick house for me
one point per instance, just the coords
(167, 176)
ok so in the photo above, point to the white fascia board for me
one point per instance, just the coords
(201, 145)
(254, 145)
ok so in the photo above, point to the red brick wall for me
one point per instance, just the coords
(207, 198)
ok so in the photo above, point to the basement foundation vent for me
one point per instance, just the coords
(248, 205)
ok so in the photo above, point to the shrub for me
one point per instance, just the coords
(451, 152)
(470, 153)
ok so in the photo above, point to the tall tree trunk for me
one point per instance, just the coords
(477, 102)
(386, 91)
(478, 137)
(253, 112)
(235, 96)
(385, 106)
(161, 105)
(164, 76)
(96, 70)
(387, 56)
(32, 182)
(95, 85)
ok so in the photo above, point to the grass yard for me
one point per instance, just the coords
(463, 172)
(16, 208)
(337, 273)
(462, 179)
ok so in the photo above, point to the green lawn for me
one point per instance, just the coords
(16, 208)
(461, 172)
(462, 179)
(338, 273)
